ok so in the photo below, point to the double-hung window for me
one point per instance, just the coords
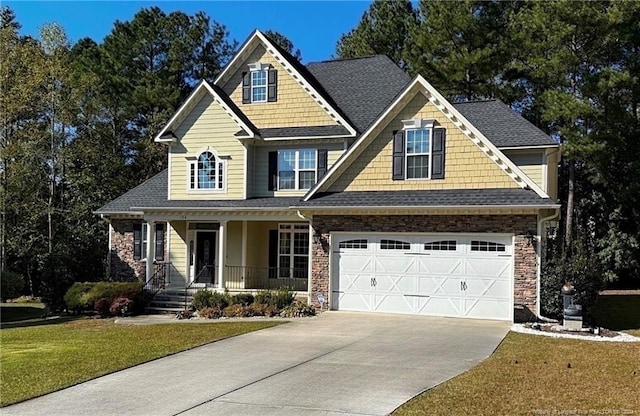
(259, 86)
(207, 172)
(293, 250)
(418, 153)
(296, 169)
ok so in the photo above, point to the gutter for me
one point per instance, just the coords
(342, 207)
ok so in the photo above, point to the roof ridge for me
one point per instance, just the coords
(326, 61)
(484, 100)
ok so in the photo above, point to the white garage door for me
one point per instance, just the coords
(436, 274)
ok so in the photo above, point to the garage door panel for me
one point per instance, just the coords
(499, 267)
(486, 308)
(445, 275)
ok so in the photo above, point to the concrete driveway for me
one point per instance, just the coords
(334, 364)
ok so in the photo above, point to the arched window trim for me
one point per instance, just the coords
(194, 183)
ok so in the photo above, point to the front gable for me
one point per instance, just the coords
(207, 130)
(297, 103)
(466, 166)
(471, 161)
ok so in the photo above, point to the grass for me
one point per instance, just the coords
(530, 374)
(618, 312)
(37, 360)
(11, 312)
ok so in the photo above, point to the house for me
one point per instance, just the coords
(348, 181)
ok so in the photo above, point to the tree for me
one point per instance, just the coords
(284, 42)
(384, 28)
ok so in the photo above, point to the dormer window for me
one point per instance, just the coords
(207, 172)
(418, 150)
(260, 84)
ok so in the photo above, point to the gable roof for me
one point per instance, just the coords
(147, 192)
(296, 70)
(221, 99)
(503, 126)
(362, 87)
(415, 87)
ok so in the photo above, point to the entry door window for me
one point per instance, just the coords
(293, 250)
(205, 256)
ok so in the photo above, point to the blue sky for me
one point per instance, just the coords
(313, 26)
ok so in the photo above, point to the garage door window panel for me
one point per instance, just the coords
(394, 245)
(360, 244)
(487, 246)
(444, 245)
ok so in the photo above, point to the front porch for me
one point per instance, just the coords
(257, 254)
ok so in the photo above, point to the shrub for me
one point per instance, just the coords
(210, 313)
(74, 296)
(237, 311)
(298, 309)
(244, 299)
(121, 306)
(102, 306)
(208, 299)
(284, 297)
(85, 296)
(11, 285)
(265, 297)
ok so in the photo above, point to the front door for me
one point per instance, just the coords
(205, 256)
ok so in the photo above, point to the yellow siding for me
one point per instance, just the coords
(553, 158)
(234, 243)
(178, 252)
(294, 107)
(466, 166)
(258, 242)
(530, 163)
(261, 180)
(207, 125)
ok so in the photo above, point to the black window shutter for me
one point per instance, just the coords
(273, 171)
(160, 242)
(398, 156)
(273, 253)
(322, 163)
(272, 85)
(437, 154)
(246, 87)
(137, 241)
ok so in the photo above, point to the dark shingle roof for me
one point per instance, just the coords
(153, 194)
(362, 87)
(432, 198)
(318, 131)
(501, 125)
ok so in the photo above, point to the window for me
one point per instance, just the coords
(354, 244)
(145, 231)
(477, 245)
(140, 241)
(445, 245)
(394, 245)
(293, 250)
(207, 172)
(418, 154)
(258, 86)
(418, 151)
(296, 169)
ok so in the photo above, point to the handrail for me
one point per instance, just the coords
(196, 279)
(158, 279)
(260, 277)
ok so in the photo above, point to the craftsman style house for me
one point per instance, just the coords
(348, 181)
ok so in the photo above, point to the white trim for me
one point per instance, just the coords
(297, 170)
(291, 70)
(216, 98)
(435, 98)
(403, 207)
(544, 146)
(252, 72)
(407, 155)
(246, 172)
(222, 255)
(168, 227)
(545, 174)
(169, 172)
(192, 167)
(275, 139)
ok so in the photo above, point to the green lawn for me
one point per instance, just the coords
(530, 373)
(36, 360)
(11, 312)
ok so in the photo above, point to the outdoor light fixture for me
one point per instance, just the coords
(529, 237)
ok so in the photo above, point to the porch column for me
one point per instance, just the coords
(151, 225)
(221, 254)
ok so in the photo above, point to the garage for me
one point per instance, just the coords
(458, 275)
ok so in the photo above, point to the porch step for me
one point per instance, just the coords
(162, 310)
(170, 300)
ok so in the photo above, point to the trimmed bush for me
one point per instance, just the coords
(100, 295)
(121, 306)
(298, 309)
(265, 297)
(284, 297)
(244, 299)
(237, 311)
(210, 313)
(208, 299)
(11, 285)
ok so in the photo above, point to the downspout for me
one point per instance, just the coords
(539, 271)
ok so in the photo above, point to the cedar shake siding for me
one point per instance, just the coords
(525, 266)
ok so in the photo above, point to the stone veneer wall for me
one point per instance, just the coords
(122, 266)
(525, 266)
